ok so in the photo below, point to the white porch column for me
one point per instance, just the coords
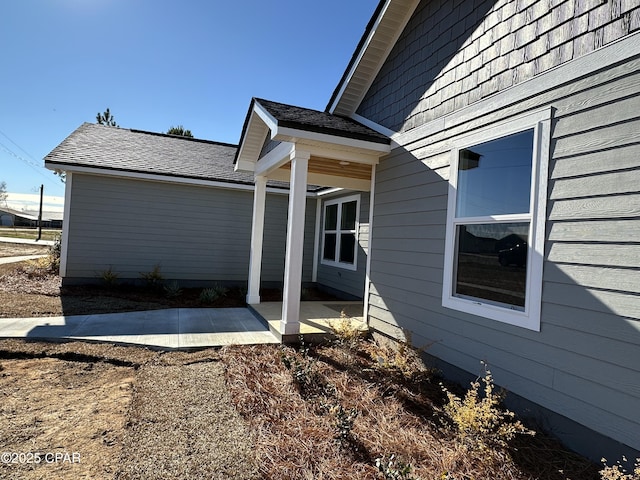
(257, 229)
(290, 324)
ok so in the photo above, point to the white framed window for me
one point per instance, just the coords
(340, 232)
(496, 214)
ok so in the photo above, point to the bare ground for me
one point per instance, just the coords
(125, 412)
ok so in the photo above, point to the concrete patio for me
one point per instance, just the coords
(177, 328)
(187, 328)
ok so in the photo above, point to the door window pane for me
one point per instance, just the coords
(491, 262)
(331, 217)
(329, 246)
(347, 247)
(495, 177)
(348, 220)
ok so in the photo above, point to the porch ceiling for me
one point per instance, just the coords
(329, 166)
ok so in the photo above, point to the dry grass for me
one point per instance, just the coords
(236, 412)
(399, 413)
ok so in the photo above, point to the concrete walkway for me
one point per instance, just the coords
(4, 260)
(177, 328)
(26, 241)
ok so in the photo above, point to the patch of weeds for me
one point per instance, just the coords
(303, 370)
(398, 356)
(173, 290)
(392, 468)
(154, 278)
(344, 420)
(38, 268)
(211, 295)
(479, 419)
(347, 332)
(54, 254)
(108, 276)
(618, 472)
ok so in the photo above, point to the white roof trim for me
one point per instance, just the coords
(394, 16)
(165, 178)
(355, 65)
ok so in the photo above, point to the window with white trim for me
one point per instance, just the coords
(495, 221)
(340, 232)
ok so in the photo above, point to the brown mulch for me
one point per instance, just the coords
(303, 430)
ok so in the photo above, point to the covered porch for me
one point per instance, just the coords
(317, 319)
(303, 147)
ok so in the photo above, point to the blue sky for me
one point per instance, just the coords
(158, 63)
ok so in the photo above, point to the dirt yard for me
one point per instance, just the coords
(77, 410)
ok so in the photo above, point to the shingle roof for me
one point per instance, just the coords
(320, 122)
(122, 149)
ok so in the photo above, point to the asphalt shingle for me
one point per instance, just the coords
(112, 148)
(320, 122)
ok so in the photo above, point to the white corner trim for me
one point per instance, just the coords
(316, 240)
(66, 220)
(367, 274)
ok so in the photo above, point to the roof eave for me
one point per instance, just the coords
(381, 34)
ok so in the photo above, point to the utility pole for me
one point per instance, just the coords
(40, 214)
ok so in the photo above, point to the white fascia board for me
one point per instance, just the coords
(342, 155)
(371, 77)
(161, 178)
(244, 166)
(267, 118)
(243, 163)
(325, 181)
(274, 159)
(376, 127)
(292, 134)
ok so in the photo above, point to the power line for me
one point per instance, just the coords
(31, 164)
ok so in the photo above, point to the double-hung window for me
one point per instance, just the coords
(495, 221)
(340, 232)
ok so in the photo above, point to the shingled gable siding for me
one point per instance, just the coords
(453, 53)
(583, 363)
(349, 281)
(193, 233)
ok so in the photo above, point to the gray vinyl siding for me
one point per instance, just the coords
(453, 53)
(193, 233)
(349, 281)
(583, 364)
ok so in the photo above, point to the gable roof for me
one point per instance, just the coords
(382, 32)
(300, 118)
(286, 123)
